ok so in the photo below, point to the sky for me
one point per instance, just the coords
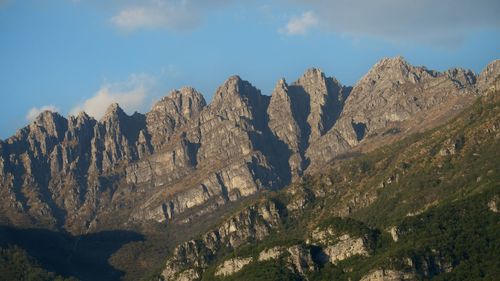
(74, 55)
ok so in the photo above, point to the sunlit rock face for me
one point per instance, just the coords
(185, 157)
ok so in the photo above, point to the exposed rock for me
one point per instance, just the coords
(301, 259)
(324, 99)
(339, 247)
(172, 112)
(394, 231)
(283, 123)
(388, 275)
(346, 248)
(392, 98)
(493, 204)
(253, 223)
(271, 253)
(188, 275)
(451, 147)
(489, 75)
(78, 172)
(231, 266)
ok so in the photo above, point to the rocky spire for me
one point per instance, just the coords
(113, 112)
(54, 124)
(237, 98)
(172, 112)
(324, 100)
(284, 125)
(241, 143)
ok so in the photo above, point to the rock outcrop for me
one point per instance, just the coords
(493, 204)
(82, 174)
(394, 97)
(337, 246)
(171, 113)
(388, 275)
(232, 266)
(253, 223)
(489, 75)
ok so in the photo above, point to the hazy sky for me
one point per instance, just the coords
(72, 55)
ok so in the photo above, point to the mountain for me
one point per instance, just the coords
(425, 207)
(173, 172)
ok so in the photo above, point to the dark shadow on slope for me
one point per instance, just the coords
(84, 257)
(301, 108)
(133, 125)
(276, 151)
(334, 102)
(359, 129)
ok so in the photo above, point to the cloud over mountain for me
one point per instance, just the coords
(174, 15)
(132, 95)
(444, 22)
(300, 25)
(35, 111)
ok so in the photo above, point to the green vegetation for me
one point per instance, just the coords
(259, 271)
(15, 264)
(432, 188)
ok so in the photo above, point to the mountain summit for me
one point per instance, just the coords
(68, 173)
(184, 164)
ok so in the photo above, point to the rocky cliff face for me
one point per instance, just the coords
(172, 112)
(253, 223)
(394, 98)
(338, 224)
(185, 158)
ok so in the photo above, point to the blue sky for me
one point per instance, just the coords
(72, 55)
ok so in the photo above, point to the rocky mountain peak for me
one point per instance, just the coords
(186, 101)
(320, 98)
(236, 93)
(280, 89)
(81, 118)
(463, 77)
(113, 112)
(489, 74)
(285, 121)
(312, 74)
(171, 112)
(47, 117)
(54, 124)
(234, 86)
(315, 82)
(397, 61)
(180, 98)
(241, 143)
(396, 71)
(282, 81)
(82, 115)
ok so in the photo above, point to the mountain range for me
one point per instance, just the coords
(186, 167)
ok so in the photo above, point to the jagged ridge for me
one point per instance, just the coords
(83, 175)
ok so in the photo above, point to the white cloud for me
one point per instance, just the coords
(300, 25)
(132, 95)
(175, 15)
(443, 22)
(171, 17)
(35, 111)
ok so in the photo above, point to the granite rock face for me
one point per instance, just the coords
(83, 174)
